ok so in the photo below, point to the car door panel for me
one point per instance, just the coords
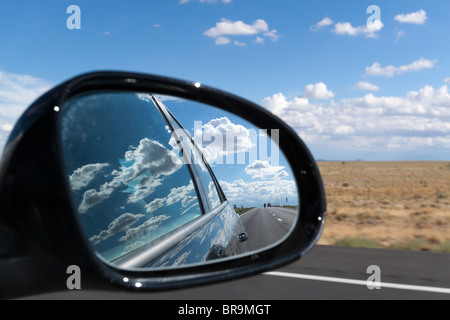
(207, 243)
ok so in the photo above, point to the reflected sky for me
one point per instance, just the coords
(126, 167)
(128, 183)
(252, 171)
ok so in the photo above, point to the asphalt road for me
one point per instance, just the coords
(266, 226)
(327, 272)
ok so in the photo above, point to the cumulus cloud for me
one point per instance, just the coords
(371, 122)
(447, 80)
(220, 137)
(260, 40)
(145, 187)
(255, 193)
(227, 28)
(240, 44)
(366, 86)
(81, 177)
(178, 194)
(325, 22)
(152, 155)
(281, 175)
(222, 40)
(347, 29)
(272, 34)
(146, 166)
(155, 205)
(318, 91)
(119, 224)
(344, 130)
(183, 194)
(278, 103)
(418, 17)
(261, 169)
(390, 71)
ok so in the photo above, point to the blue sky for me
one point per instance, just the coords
(350, 93)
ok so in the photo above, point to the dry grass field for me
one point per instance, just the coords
(398, 205)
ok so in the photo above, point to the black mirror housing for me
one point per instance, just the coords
(41, 236)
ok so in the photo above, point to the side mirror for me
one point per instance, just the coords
(151, 183)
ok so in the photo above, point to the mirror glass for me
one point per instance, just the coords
(161, 182)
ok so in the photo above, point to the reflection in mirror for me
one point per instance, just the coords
(160, 182)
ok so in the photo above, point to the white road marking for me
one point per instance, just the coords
(358, 282)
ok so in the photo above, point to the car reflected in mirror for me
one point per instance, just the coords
(152, 193)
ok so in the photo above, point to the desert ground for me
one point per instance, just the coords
(398, 205)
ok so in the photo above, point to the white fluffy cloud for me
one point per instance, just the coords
(278, 103)
(255, 193)
(272, 35)
(390, 71)
(220, 137)
(150, 156)
(183, 194)
(418, 17)
(261, 169)
(318, 91)
(420, 118)
(346, 28)
(119, 224)
(325, 22)
(222, 40)
(81, 177)
(227, 28)
(366, 86)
